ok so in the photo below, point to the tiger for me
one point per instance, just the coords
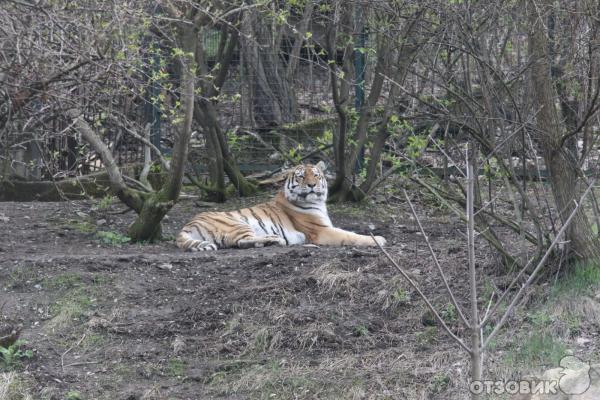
(297, 215)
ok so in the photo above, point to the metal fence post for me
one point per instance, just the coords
(359, 68)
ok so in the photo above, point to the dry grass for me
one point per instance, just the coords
(373, 375)
(14, 387)
(580, 307)
(264, 339)
(332, 278)
(308, 349)
(316, 334)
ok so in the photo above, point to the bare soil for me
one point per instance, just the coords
(146, 321)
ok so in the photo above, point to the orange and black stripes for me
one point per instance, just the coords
(297, 215)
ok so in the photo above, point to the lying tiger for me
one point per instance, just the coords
(297, 215)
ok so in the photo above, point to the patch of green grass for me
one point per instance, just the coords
(401, 296)
(168, 238)
(540, 319)
(488, 288)
(123, 371)
(426, 337)
(93, 340)
(21, 276)
(73, 395)
(548, 326)
(439, 383)
(573, 323)
(581, 280)
(77, 299)
(105, 202)
(361, 330)
(176, 367)
(112, 238)
(262, 340)
(67, 280)
(69, 308)
(15, 386)
(449, 313)
(12, 356)
(539, 349)
(81, 226)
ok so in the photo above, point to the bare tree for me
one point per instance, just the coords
(484, 85)
(271, 96)
(152, 207)
(394, 55)
(479, 344)
(553, 134)
(93, 62)
(211, 81)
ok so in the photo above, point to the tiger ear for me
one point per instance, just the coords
(322, 166)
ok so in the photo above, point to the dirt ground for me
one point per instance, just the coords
(145, 321)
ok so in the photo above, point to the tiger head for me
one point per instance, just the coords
(306, 184)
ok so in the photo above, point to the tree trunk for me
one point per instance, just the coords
(294, 55)
(147, 225)
(383, 133)
(395, 66)
(77, 188)
(152, 207)
(340, 94)
(216, 169)
(564, 172)
(221, 160)
(218, 139)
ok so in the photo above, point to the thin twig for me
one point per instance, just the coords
(487, 309)
(146, 141)
(62, 357)
(81, 363)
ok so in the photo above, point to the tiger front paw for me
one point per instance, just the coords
(272, 241)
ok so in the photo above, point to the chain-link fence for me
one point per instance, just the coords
(275, 104)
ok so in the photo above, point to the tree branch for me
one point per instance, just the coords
(131, 197)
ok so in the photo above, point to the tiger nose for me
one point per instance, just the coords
(311, 185)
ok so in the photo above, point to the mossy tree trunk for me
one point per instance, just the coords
(215, 190)
(151, 207)
(221, 160)
(564, 172)
(218, 139)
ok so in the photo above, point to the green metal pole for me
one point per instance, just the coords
(359, 68)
